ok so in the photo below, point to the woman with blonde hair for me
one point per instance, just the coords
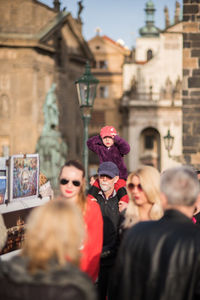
(54, 231)
(143, 187)
(72, 188)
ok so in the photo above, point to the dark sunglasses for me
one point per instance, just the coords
(131, 186)
(66, 181)
(104, 175)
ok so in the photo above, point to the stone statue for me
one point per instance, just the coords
(50, 109)
(80, 9)
(167, 22)
(50, 146)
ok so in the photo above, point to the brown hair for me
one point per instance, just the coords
(81, 196)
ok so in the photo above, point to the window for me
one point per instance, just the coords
(149, 54)
(94, 64)
(103, 64)
(148, 141)
(150, 147)
(103, 92)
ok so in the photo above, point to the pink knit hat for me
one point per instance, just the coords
(108, 131)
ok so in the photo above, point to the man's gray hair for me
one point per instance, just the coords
(180, 185)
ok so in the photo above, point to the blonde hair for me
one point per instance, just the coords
(81, 198)
(150, 181)
(54, 231)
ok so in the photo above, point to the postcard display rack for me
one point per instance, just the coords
(19, 193)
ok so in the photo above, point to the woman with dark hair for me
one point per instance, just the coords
(72, 188)
(54, 231)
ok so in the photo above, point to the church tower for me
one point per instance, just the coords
(149, 29)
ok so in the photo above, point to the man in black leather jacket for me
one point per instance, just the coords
(108, 199)
(160, 260)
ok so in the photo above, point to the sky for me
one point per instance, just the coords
(118, 19)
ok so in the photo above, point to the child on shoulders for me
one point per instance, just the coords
(110, 147)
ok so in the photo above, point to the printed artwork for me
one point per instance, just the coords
(19, 182)
(3, 182)
(15, 222)
(24, 176)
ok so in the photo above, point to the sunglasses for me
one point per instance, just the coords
(66, 181)
(104, 175)
(131, 186)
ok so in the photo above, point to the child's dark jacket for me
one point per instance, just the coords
(115, 153)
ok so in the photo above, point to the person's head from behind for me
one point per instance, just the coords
(93, 178)
(107, 134)
(180, 187)
(72, 182)
(108, 174)
(54, 232)
(143, 187)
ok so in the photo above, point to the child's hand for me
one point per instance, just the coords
(113, 132)
(113, 135)
(122, 205)
(93, 199)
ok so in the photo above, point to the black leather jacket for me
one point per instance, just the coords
(159, 260)
(111, 223)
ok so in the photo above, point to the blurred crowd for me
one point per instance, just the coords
(130, 236)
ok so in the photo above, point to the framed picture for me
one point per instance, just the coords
(3, 180)
(23, 177)
(15, 222)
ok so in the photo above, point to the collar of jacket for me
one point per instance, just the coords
(114, 193)
(174, 214)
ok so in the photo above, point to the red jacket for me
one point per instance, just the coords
(94, 240)
(119, 187)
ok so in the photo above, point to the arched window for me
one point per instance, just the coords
(150, 147)
(149, 54)
(103, 91)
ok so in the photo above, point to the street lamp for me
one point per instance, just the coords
(169, 142)
(86, 88)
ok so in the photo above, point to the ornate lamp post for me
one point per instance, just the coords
(86, 89)
(169, 142)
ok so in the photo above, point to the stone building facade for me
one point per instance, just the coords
(191, 82)
(152, 100)
(39, 45)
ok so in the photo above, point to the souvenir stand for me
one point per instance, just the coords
(19, 194)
